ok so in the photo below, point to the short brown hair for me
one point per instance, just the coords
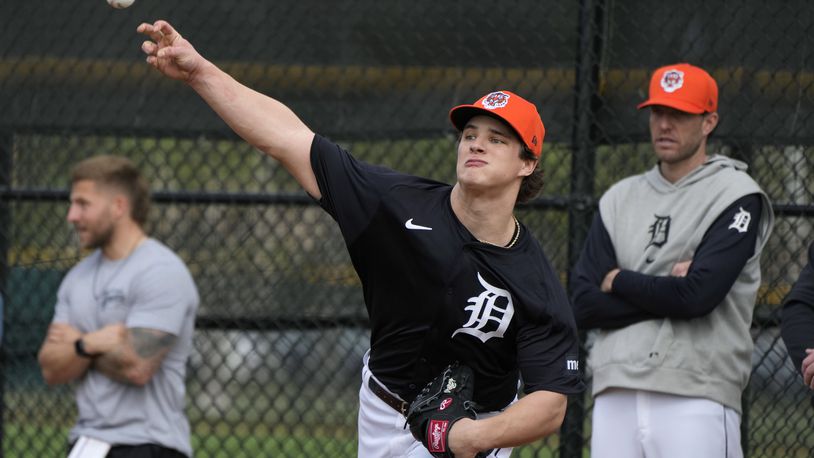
(121, 173)
(532, 184)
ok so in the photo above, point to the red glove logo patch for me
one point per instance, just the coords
(445, 403)
(437, 436)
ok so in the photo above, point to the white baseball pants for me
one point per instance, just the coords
(646, 424)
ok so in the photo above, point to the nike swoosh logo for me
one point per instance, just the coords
(409, 225)
(649, 260)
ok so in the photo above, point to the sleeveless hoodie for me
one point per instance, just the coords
(709, 356)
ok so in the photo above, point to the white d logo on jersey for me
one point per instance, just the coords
(741, 221)
(484, 309)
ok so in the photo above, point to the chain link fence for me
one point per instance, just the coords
(282, 327)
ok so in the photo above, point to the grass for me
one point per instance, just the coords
(37, 424)
(26, 441)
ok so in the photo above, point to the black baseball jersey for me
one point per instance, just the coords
(435, 294)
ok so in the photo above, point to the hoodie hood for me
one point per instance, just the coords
(714, 165)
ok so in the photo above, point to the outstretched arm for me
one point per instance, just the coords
(265, 123)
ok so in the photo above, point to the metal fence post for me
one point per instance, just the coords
(586, 104)
(6, 145)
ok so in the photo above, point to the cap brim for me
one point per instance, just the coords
(461, 114)
(672, 103)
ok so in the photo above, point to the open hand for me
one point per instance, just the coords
(169, 52)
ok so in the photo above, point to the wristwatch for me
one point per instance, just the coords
(79, 347)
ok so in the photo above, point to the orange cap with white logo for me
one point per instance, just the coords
(516, 111)
(684, 87)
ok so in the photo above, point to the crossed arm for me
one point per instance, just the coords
(607, 297)
(127, 355)
(797, 324)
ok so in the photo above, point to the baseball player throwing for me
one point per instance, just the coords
(449, 274)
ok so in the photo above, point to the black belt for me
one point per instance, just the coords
(394, 402)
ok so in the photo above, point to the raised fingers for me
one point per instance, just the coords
(151, 31)
(159, 31)
(169, 34)
(149, 47)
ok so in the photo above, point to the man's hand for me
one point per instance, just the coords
(680, 269)
(808, 368)
(461, 440)
(169, 52)
(607, 282)
(57, 356)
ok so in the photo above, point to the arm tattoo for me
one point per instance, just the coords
(148, 342)
(148, 345)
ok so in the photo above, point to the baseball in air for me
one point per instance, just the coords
(119, 4)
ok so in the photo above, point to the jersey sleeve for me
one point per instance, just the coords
(717, 262)
(548, 344)
(61, 309)
(797, 323)
(351, 189)
(592, 307)
(163, 299)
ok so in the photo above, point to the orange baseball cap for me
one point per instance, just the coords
(684, 87)
(516, 111)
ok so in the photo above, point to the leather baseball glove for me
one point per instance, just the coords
(445, 400)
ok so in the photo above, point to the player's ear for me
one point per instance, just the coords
(121, 205)
(709, 123)
(529, 166)
(530, 162)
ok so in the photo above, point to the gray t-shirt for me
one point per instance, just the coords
(151, 288)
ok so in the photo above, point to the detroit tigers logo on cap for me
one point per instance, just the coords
(672, 80)
(683, 87)
(520, 114)
(495, 100)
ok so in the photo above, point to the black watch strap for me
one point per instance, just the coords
(79, 347)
